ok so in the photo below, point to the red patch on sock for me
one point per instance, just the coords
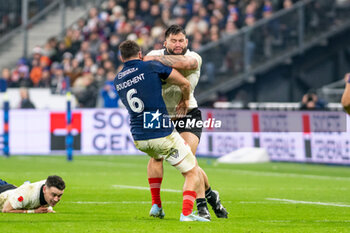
(20, 199)
(188, 200)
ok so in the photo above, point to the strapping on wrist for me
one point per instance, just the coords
(29, 211)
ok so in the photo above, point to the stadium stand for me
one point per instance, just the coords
(88, 50)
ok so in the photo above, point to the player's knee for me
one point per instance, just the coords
(193, 176)
(187, 164)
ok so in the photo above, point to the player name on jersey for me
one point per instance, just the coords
(130, 82)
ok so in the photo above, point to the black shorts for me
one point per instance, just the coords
(194, 114)
(6, 187)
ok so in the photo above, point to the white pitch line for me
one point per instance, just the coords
(276, 221)
(254, 202)
(307, 202)
(144, 188)
(278, 174)
(333, 221)
(117, 202)
(316, 221)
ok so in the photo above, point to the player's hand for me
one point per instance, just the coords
(182, 108)
(50, 210)
(148, 58)
(42, 209)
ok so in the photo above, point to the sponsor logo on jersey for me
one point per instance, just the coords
(126, 72)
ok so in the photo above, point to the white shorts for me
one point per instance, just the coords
(172, 148)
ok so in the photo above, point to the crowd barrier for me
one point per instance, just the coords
(42, 98)
(305, 136)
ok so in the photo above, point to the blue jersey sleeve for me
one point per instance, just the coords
(163, 70)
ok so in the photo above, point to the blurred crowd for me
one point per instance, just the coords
(238, 52)
(85, 60)
(11, 12)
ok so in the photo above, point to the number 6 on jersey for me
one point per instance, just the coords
(135, 103)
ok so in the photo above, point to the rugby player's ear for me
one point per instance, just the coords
(164, 44)
(140, 55)
(120, 56)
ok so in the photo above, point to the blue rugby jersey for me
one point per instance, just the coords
(139, 86)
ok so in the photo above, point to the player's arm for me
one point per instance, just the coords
(175, 78)
(345, 100)
(175, 61)
(9, 209)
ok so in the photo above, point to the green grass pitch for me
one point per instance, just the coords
(110, 194)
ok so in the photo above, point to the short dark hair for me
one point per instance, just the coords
(55, 181)
(129, 49)
(174, 29)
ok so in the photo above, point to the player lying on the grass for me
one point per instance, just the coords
(38, 197)
(345, 100)
(139, 85)
(176, 55)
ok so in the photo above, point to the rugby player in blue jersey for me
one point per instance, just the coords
(176, 55)
(139, 85)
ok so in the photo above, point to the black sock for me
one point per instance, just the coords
(211, 197)
(201, 203)
(207, 192)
